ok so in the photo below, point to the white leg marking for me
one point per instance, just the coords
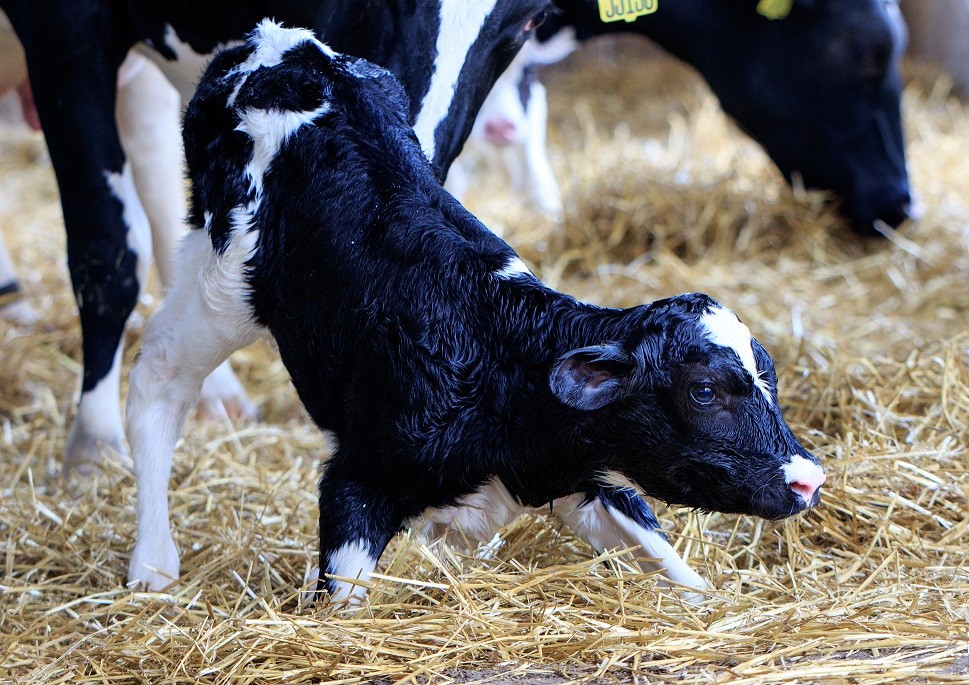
(542, 188)
(98, 417)
(204, 319)
(353, 560)
(98, 422)
(605, 528)
(725, 329)
(133, 214)
(461, 22)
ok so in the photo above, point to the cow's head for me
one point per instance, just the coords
(818, 86)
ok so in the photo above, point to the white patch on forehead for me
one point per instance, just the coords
(461, 23)
(514, 268)
(272, 42)
(269, 129)
(723, 328)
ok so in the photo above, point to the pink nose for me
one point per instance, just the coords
(804, 477)
(807, 486)
(500, 131)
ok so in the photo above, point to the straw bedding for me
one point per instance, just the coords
(663, 196)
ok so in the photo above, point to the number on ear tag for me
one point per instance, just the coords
(772, 9)
(626, 10)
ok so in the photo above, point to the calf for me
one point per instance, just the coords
(445, 52)
(819, 88)
(456, 384)
(512, 122)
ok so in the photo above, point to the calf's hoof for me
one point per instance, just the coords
(223, 395)
(154, 564)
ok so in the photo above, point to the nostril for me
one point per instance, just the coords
(807, 487)
(804, 477)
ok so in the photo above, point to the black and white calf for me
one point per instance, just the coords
(456, 384)
(446, 53)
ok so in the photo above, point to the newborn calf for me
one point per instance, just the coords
(456, 384)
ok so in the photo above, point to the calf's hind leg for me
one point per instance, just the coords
(204, 319)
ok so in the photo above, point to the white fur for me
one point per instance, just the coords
(353, 560)
(513, 269)
(272, 42)
(605, 528)
(803, 471)
(205, 317)
(477, 516)
(725, 329)
(461, 23)
(133, 214)
(97, 423)
(269, 129)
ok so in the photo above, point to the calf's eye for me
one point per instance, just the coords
(535, 21)
(702, 394)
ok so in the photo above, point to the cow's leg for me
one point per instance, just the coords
(619, 518)
(148, 121)
(204, 319)
(108, 242)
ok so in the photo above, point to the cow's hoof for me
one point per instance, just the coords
(83, 450)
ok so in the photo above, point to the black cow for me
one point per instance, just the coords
(818, 88)
(446, 54)
(458, 387)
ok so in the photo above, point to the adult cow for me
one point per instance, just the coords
(446, 53)
(815, 82)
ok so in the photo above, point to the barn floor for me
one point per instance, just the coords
(663, 196)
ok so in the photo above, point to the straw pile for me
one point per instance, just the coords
(663, 196)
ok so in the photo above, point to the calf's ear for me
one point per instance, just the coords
(591, 377)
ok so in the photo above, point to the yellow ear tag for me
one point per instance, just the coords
(628, 10)
(772, 9)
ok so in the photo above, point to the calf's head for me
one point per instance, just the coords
(686, 409)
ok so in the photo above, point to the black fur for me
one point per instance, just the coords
(73, 51)
(819, 89)
(435, 374)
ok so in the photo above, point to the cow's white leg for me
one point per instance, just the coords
(204, 319)
(616, 520)
(148, 122)
(98, 420)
